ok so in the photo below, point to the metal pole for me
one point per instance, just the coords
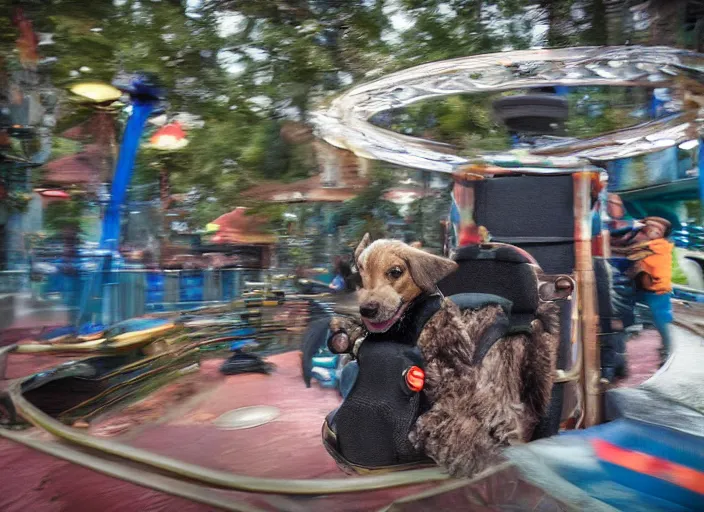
(586, 293)
(701, 180)
(144, 98)
(123, 172)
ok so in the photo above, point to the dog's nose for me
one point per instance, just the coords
(369, 309)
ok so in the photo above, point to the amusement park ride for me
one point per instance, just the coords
(598, 449)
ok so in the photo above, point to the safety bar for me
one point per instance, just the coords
(3, 359)
(216, 478)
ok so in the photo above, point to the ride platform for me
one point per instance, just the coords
(181, 420)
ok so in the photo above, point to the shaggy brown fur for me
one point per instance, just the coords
(476, 411)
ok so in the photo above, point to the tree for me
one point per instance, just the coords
(246, 68)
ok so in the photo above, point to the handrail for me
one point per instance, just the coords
(687, 289)
(3, 358)
(131, 474)
(217, 478)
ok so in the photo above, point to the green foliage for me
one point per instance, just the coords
(678, 275)
(607, 109)
(61, 147)
(368, 212)
(463, 120)
(17, 201)
(424, 219)
(66, 216)
(278, 60)
(290, 54)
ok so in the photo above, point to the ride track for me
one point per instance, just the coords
(197, 483)
(344, 122)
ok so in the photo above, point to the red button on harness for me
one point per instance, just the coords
(415, 379)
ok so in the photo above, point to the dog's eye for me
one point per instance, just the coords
(395, 272)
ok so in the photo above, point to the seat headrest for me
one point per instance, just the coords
(494, 251)
(497, 269)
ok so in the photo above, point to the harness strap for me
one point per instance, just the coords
(421, 313)
(408, 329)
(490, 336)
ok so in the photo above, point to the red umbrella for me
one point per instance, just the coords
(55, 194)
(236, 227)
(169, 137)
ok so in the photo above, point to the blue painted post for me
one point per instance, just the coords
(701, 180)
(144, 96)
(110, 235)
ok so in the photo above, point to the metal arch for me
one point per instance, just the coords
(344, 122)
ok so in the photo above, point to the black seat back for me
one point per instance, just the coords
(535, 213)
(512, 273)
(497, 269)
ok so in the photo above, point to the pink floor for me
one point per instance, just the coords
(178, 421)
(643, 358)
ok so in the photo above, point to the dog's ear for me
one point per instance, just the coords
(366, 242)
(427, 269)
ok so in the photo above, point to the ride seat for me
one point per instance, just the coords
(512, 274)
(502, 271)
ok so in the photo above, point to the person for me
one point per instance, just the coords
(621, 227)
(651, 253)
(343, 271)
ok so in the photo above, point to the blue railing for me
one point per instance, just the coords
(13, 281)
(128, 293)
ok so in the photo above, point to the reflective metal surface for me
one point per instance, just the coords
(344, 123)
(247, 417)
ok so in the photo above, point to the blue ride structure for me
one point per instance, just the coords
(145, 98)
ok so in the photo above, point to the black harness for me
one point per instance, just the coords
(408, 329)
(370, 428)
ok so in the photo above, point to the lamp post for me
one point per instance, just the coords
(101, 98)
(169, 138)
(144, 97)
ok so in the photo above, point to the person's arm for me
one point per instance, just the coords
(338, 283)
(643, 280)
(635, 252)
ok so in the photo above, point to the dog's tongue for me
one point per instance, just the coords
(380, 327)
(384, 326)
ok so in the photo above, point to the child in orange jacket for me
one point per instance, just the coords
(652, 273)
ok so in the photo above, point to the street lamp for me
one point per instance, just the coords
(170, 137)
(96, 92)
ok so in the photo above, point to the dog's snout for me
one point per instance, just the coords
(369, 309)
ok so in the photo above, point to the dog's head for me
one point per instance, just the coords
(393, 274)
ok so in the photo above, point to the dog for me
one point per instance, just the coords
(475, 410)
